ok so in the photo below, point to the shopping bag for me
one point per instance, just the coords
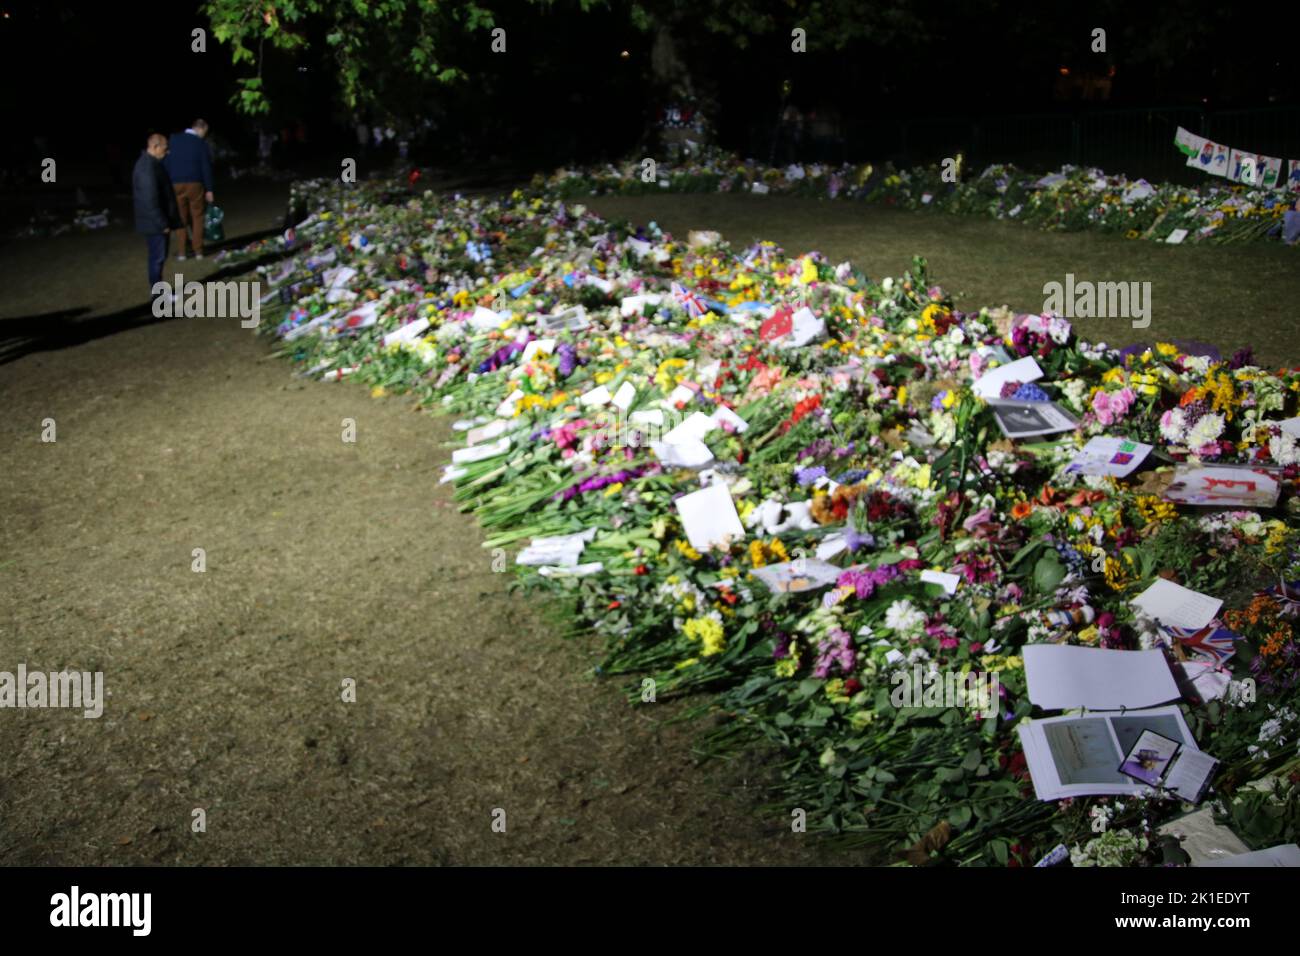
(212, 229)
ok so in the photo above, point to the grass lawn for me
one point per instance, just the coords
(1229, 296)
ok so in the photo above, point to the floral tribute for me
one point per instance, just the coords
(603, 375)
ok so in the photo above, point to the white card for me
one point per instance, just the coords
(596, 397)
(947, 581)
(688, 453)
(805, 328)
(406, 333)
(625, 396)
(723, 414)
(696, 426)
(1177, 236)
(1177, 606)
(485, 320)
(1109, 456)
(989, 385)
(709, 517)
(535, 346)
(478, 452)
(1061, 677)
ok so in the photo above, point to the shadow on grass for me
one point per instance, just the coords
(65, 328)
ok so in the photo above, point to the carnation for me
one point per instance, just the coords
(1284, 449)
(1173, 426)
(1206, 430)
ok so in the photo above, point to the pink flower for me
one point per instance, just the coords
(1110, 407)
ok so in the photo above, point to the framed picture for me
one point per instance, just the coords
(1149, 759)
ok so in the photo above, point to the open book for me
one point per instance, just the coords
(1082, 756)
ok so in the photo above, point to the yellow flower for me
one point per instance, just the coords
(378, 392)
(787, 667)
(686, 551)
(708, 632)
(1154, 509)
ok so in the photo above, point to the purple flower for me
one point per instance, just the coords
(836, 649)
(856, 541)
(568, 359)
(806, 476)
(1029, 392)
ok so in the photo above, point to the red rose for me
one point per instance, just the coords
(852, 685)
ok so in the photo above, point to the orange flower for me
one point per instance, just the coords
(1020, 510)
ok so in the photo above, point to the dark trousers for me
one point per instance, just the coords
(157, 256)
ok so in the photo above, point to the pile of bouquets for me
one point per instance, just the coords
(1074, 198)
(601, 374)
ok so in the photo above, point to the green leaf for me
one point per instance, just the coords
(1048, 573)
(960, 817)
(999, 848)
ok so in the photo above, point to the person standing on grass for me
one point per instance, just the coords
(190, 166)
(155, 203)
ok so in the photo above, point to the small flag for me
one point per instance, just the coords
(1213, 642)
(689, 300)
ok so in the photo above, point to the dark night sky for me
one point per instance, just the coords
(86, 73)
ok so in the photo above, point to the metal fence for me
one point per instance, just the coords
(1133, 141)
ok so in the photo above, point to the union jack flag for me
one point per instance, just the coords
(1288, 598)
(694, 307)
(1214, 641)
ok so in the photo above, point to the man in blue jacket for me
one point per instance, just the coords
(190, 165)
(155, 203)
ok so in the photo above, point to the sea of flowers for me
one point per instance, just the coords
(829, 420)
(1072, 199)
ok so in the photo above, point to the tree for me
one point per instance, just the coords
(363, 37)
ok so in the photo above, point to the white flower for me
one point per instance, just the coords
(1173, 426)
(1284, 449)
(1207, 428)
(903, 618)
